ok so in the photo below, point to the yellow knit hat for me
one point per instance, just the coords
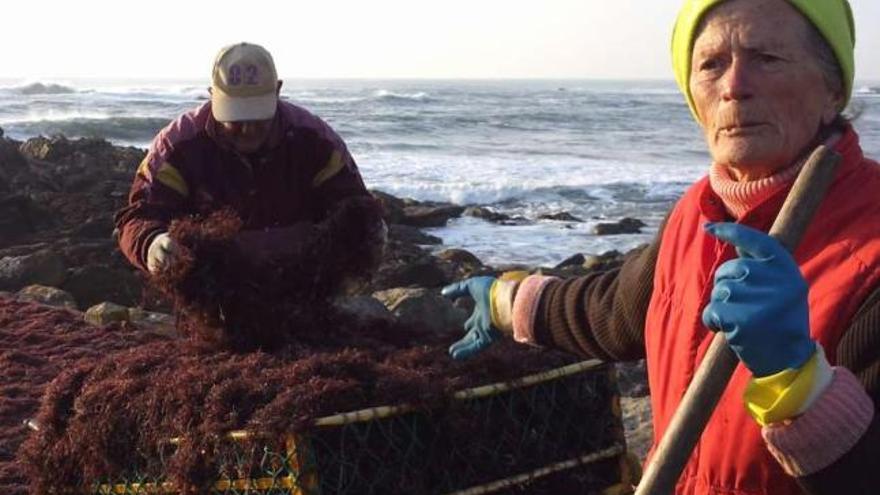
(833, 19)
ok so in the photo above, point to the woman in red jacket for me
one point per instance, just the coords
(767, 81)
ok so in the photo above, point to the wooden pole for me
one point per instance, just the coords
(718, 365)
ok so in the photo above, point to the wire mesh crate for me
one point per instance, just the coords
(558, 431)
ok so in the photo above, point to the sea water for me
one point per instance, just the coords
(599, 150)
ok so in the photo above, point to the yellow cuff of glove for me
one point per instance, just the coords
(789, 393)
(501, 296)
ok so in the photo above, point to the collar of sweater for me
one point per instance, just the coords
(741, 196)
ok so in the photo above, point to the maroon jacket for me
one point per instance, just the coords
(298, 176)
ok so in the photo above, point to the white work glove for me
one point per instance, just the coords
(161, 251)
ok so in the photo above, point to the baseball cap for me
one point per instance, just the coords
(244, 84)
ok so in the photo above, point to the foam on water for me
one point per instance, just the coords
(599, 150)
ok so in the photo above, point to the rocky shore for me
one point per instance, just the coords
(57, 247)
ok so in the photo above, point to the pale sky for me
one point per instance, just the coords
(360, 38)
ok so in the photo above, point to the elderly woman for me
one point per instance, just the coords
(767, 81)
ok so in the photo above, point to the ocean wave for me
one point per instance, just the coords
(867, 90)
(38, 88)
(508, 193)
(386, 95)
(129, 130)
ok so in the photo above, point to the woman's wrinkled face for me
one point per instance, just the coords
(758, 88)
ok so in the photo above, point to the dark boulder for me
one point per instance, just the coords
(485, 214)
(93, 284)
(605, 261)
(392, 206)
(430, 215)
(459, 256)
(411, 235)
(574, 260)
(562, 216)
(624, 226)
(43, 267)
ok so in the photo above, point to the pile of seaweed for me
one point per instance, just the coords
(36, 343)
(264, 350)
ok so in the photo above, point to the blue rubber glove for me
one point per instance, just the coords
(760, 302)
(480, 333)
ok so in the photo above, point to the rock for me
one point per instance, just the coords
(155, 322)
(624, 226)
(604, 261)
(392, 206)
(485, 214)
(42, 267)
(632, 378)
(97, 226)
(459, 256)
(423, 308)
(1, 132)
(465, 304)
(562, 216)
(422, 272)
(411, 235)
(48, 295)
(106, 313)
(20, 215)
(364, 307)
(430, 215)
(11, 161)
(637, 424)
(92, 284)
(574, 260)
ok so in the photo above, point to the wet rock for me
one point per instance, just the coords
(604, 261)
(42, 267)
(392, 206)
(465, 304)
(106, 313)
(638, 425)
(47, 295)
(624, 226)
(430, 215)
(485, 214)
(11, 162)
(411, 235)
(97, 226)
(364, 307)
(423, 308)
(459, 256)
(562, 216)
(86, 153)
(421, 272)
(574, 260)
(92, 284)
(154, 322)
(19, 216)
(632, 378)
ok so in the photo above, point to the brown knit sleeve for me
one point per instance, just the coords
(859, 351)
(601, 315)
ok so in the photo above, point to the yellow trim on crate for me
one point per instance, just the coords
(501, 484)
(286, 482)
(334, 165)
